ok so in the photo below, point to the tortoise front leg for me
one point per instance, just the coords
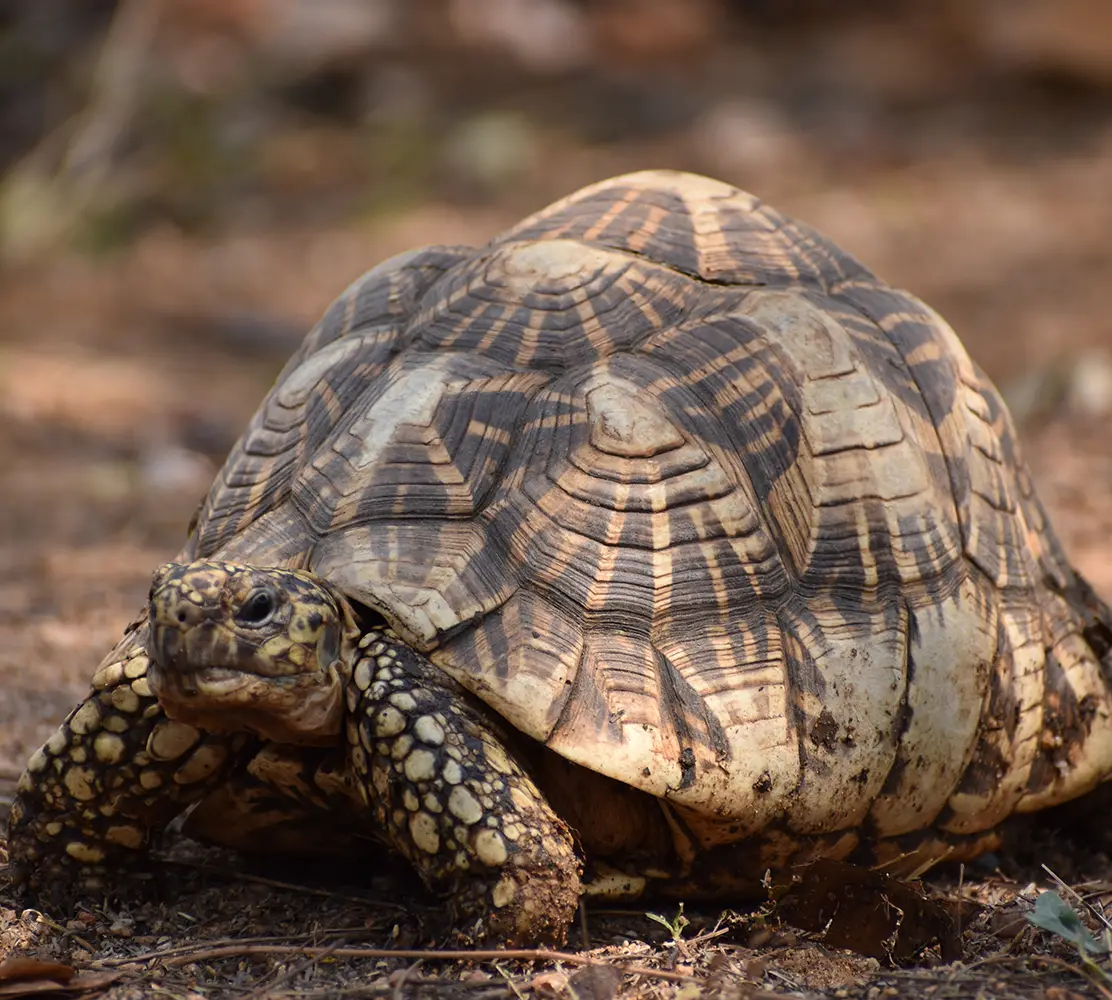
(451, 798)
(116, 771)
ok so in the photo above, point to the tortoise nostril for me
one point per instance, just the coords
(182, 616)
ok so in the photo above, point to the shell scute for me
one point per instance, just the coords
(682, 490)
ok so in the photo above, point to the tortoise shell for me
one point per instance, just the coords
(684, 492)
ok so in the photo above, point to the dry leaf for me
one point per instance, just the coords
(19, 969)
(24, 977)
(549, 984)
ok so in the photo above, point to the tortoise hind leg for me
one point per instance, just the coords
(115, 772)
(452, 799)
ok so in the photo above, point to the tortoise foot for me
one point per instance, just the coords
(112, 775)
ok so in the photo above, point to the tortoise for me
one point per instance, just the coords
(655, 544)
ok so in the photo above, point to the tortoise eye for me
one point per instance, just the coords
(257, 608)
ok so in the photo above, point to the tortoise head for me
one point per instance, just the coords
(236, 647)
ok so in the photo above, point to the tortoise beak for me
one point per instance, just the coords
(188, 649)
(164, 645)
(185, 636)
(184, 633)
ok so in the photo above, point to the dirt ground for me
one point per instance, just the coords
(125, 378)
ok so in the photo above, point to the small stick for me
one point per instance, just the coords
(511, 984)
(460, 955)
(399, 986)
(961, 888)
(180, 949)
(1063, 964)
(709, 935)
(269, 989)
(273, 883)
(584, 931)
(1076, 895)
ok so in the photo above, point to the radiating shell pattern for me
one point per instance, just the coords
(687, 494)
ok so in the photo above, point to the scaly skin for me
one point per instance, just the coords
(446, 788)
(113, 774)
(229, 694)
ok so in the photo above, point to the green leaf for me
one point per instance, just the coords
(675, 926)
(1054, 914)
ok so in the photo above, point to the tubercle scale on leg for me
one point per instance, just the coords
(114, 772)
(453, 800)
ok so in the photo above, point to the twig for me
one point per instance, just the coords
(399, 987)
(269, 989)
(784, 978)
(710, 935)
(615, 911)
(457, 984)
(274, 883)
(511, 984)
(460, 955)
(1076, 895)
(961, 888)
(181, 949)
(491, 986)
(956, 974)
(9, 774)
(1068, 966)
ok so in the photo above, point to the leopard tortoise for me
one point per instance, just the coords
(658, 535)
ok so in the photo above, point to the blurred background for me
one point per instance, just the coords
(185, 184)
